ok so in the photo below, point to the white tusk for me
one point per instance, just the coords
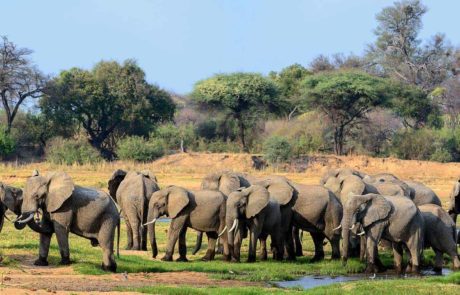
(361, 233)
(153, 221)
(223, 231)
(351, 228)
(27, 219)
(17, 218)
(235, 224)
(337, 228)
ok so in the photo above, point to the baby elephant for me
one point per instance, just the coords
(202, 210)
(440, 234)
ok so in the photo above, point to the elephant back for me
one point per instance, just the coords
(423, 194)
(132, 185)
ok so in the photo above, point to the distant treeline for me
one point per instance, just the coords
(401, 98)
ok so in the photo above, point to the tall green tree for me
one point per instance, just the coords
(110, 101)
(244, 96)
(345, 97)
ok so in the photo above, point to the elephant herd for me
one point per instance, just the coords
(363, 211)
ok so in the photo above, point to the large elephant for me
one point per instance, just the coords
(285, 194)
(253, 208)
(440, 234)
(454, 205)
(393, 218)
(132, 191)
(318, 211)
(224, 181)
(86, 212)
(202, 210)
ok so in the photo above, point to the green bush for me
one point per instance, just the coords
(71, 151)
(218, 146)
(139, 149)
(7, 143)
(173, 136)
(277, 149)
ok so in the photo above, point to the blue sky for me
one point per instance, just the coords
(180, 42)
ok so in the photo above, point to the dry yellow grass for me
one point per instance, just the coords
(188, 169)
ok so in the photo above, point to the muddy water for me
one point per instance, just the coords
(309, 282)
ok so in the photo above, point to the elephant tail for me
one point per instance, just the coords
(199, 239)
(118, 238)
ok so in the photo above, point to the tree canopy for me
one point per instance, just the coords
(109, 101)
(345, 97)
(244, 96)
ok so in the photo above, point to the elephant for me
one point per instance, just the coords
(86, 212)
(224, 181)
(285, 194)
(132, 191)
(340, 173)
(253, 208)
(440, 234)
(393, 218)
(454, 205)
(202, 210)
(318, 211)
(10, 198)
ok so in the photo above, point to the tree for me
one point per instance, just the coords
(244, 96)
(288, 82)
(110, 101)
(19, 79)
(398, 52)
(345, 97)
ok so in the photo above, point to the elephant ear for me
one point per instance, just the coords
(378, 209)
(282, 192)
(228, 183)
(114, 182)
(352, 185)
(149, 174)
(211, 182)
(60, 188)
(334, 185)
(178, 199)
(258, 198)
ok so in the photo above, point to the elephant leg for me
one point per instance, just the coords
(455, 259)
(129, 234)
(398, 257)
(362, 248)
(415, 248)
(106, 237)
(372, 241)
(136, 230)
(298, 243)
(211, 252)
(438, 261)
(43, 251)
(182, 246)
(255, 230)
(263, 249)
(318, 239)
(177, 224)
(62, 236)
(288, 241)
(335, 245)
(143, 238)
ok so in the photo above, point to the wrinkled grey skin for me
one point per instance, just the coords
(393, 218)
(86, 212)
(285, 194)
(440, 235)
(202, 210)
(318, 211)
(132, 191)
(454, 204)
(225, 182)
(253, 208)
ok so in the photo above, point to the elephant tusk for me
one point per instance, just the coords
(223, 231)
(17, 218)
(361, 233)
(337, 228)
(31, 216)
(235, 224)
(351, 228)
(150, 222)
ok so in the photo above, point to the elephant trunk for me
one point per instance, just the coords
(151, 232)
(346, 225)
(231, 235)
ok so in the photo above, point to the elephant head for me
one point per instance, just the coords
(280, 189)
(114, 182)
(243, 204)
(11, 198)
(389, 185)
(346, 185)
(365, 210)
(47, 192)
(170, 201)
(149, 174)
(340, 173)
(224, 181)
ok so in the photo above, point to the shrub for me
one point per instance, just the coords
(71, 151)
(175, 137)
(218, 146)
(7, 143)
(277, 149)
(139, 149)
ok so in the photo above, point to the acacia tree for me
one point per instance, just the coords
(345, 97)
(244, 96)
(19, 79)
(110, 101)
